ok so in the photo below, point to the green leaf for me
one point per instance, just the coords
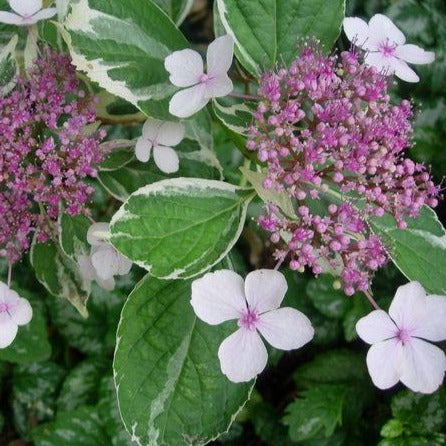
(31, 343)
(419, 251)
(78, 427)
(181, 227)
(8, 66)
(360, 307)
(96, 334)
(73, 235)
(329, 301)
(122, 47)
(177, 9)
(34, 393)
(81, 386)
(235, 117)
(392, 429)
(318, 411)
(171, 390)
(267, 32)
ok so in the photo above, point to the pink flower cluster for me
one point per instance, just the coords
(336, 145)
(46, 152)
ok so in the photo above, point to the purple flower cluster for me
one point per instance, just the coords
(336, 145)
(46, 152)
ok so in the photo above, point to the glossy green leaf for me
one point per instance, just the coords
(73, 235)
(176, 9)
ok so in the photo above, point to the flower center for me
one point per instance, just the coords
(204, 78)
(4, 307)
(387, 49)
(403, 335)
(248, 320)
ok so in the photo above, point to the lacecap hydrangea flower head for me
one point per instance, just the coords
(337, 146)
(46, 153)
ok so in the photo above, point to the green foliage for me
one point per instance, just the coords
(73, 235)
(185, 396)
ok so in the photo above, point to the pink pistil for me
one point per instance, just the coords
(248, 320)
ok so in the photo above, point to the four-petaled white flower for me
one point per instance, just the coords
(386, 47)
(14, 311)
(223, 295)
(186, 70)
(26, 12)
(104, 260)
(399, 350)
(160, 136)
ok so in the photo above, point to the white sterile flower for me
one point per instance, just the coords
(223, 295)
(104, 261)
(26, 12)
(386, 46)
(160, 136)
(399, 350)
(186, 70)
(14, 311)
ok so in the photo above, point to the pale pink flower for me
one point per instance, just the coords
(14, 311)
(399, 350)
(160, 136)
(186, 70)
(386, 46)
(104, 261)
(26, 12)
(223, 295)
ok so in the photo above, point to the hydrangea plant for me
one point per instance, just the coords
(221, 291)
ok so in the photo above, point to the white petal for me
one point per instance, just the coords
(151, 127)
(357, 31)
(219, 56)
(384, 361)
(218, 297)
(124, 265)
(375, 327)
(21, 312)
(383, 64)
(187, 102)
(265, 289)
(432, 324)
(107, 285)
(25, 7)
(404, 72)
(105, 261)
(423, 367)
(8, 332)
(218, 87)
(166, 159)
(382, 28)
(414, 54)
(242, 355)
(86, 268)
(44, 14)
(285, 328)
(142, 149)
(170, 133)
(408, 306)
(11, 19)
(185, 67)
(95, 234)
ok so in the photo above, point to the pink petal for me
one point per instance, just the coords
(107, 285)
(357, 31)
(142, 149)
(86, 268)
(383, 64)
(187, 102)
(185, 67)
(285, 328)
(105, 261)
(404, 72)
(151, 128)
(170, 133)
(21, 312)
(408, 307)
(25, 7)
(44, 14)
(432, 324)
(414, 54)
(377, 326)
(219, 86)
(166, 159)
(124, 265)
(265, 289)
(219, 56)
(8, 332)
(382, 28)
(218, 297)
(384, 361)
(242, 355)
(424, 366)
(11, 19)
(95, 233)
